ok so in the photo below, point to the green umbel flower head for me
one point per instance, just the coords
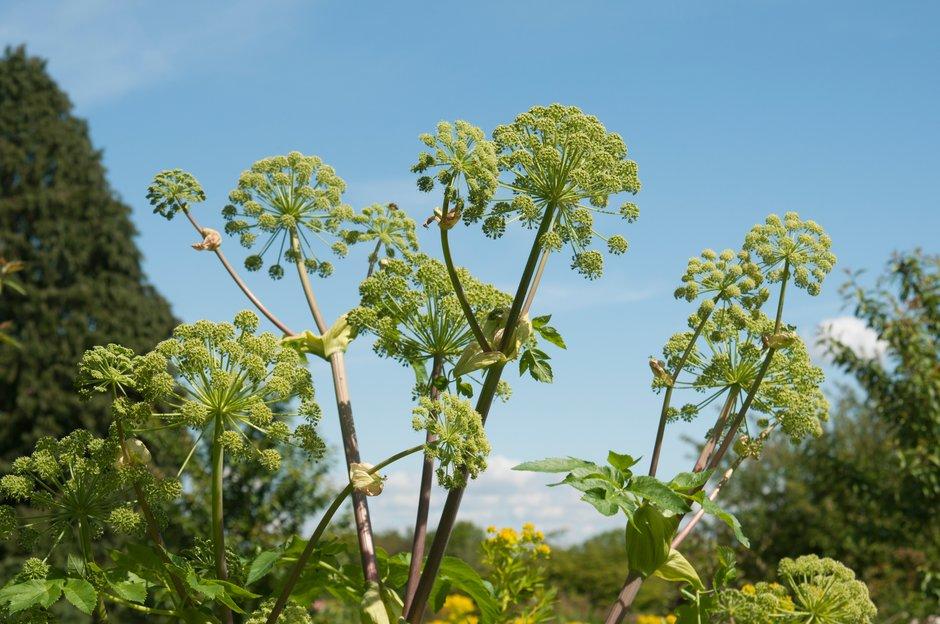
(723, 277)
(411, 308)
(802, 248)
(292, 614)
(463, 161)
(727, 358)
(69, 486)
(460, 445)
(173, 190)
(391, 230)
(564, 161)
(285, 197)
(814, 591)
(107, 369)
(231, 377)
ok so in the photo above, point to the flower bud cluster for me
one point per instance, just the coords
(283, 198)
(460, 445)
(173, 190)
(801, 248)
(389, 227)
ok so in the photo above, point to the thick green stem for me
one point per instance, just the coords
(218, 513)
(667, 395)
(452, 505)
(347, 424)
(374, 258)
(424, 502)
(301, 562)
(100, 613)
(461, 296)
(150, 521)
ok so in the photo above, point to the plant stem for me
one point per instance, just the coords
(536, 280)
(684, 533)
(218, 526)
(347, 424)
(374, 257)
(424, 502)
(716, 432)
(458, 291)
(304, 557)
(452, 505)
(150, 521)
(100, 613)
(630, 588)
(239, 281)
(667, 395)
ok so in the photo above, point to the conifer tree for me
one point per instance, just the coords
(82, 270)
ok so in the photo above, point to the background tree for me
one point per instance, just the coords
(83, 274)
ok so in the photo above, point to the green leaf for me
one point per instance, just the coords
(262, 564)
(621, 462)
(42, 592)
(726, 571)
(712, 508)
(536, 363)
(464, 388)
(372, 609)
(467, 580)
(691, 480)
(648, 538)
(81, 594)
(553, 464)
(541, 321)
(550, 334)
(655, 491)
(134, 589)
(677, 568)
(421, 373)
(477, 361)
(598, 498)
(335, 339)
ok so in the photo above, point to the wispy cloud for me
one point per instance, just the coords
(501, 497)
(100, 49)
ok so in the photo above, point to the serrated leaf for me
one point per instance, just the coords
(42, 592)
(551, 335)
(81, 594)
(553, 464)
(541, 321)
(712, 508)
(598, 499)
(678, 569)
(657, 492)
(134, 589)
(262, 564)
(691, 480)
(621, 462)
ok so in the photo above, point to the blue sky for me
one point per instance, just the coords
(732, 109)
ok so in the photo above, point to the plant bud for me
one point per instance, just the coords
(211, 240)
(137, 452)
(370, 484)
(659, 372)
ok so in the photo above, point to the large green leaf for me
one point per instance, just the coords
(621, 461)
(37, 592)
(648, 538)
(461, 576)
(262, 564)
(685, 481)
(553, 464)
(658, 493)
(81, 594)
(712, 508)
(677, 568)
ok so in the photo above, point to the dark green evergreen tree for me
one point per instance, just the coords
(82, 273)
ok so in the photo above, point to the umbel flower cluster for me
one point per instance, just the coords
(289, 203)
(230, 379)
(812, 590)
(71, 489)
(561, 167)
(390, 228)
(411, 308)
(458, 443)
(722, 354)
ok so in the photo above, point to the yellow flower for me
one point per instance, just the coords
(509, 536)
(749, 589)
(543, 549)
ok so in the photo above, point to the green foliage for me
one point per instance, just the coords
(85, 286)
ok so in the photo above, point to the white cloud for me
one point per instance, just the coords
(100, 50)
(851, 332)
(501, 497)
